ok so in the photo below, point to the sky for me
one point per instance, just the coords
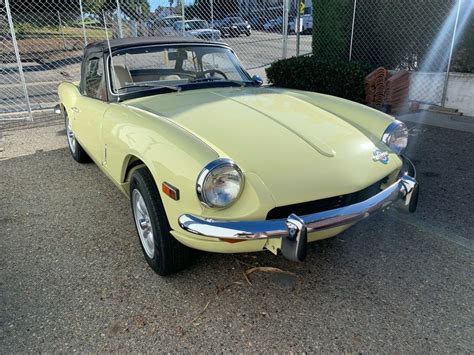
(155, 3)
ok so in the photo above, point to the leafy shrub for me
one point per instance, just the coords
(338, 78)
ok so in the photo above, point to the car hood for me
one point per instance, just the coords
(300, 150)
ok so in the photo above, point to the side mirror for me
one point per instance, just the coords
(57, 109)
(257, 79)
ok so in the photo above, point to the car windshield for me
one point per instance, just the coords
(173, 67)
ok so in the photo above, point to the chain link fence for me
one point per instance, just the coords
(412, 35)
(44, 42)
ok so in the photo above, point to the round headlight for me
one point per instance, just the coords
(219, 183)
(396, 136)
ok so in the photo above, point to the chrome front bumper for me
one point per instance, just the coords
(294, 229)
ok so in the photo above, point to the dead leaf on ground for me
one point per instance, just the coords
(265, 269)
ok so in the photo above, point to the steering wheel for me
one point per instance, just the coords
(212, 72)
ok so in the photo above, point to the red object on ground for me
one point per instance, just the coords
(385, 90)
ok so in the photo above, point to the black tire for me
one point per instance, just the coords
(169, 255)
(77, 152)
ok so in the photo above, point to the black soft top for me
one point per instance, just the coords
(102, 46)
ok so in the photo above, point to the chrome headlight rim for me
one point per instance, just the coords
(390, 131)
(204, 174)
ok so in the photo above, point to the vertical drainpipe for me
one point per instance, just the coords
(18, 60)
(446, 79)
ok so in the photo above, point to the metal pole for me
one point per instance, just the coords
(182, 14)
(61, 29)
(285, 28)
(298, 26)
(446, 79)
(352, 29)
(212, 17)
(119, 19)
(18, 60)
(83, 24)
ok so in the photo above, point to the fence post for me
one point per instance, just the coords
(18, 60)
(352, 29)
(212, 18)
(285, 28)
(298, 26)
(119, 19)
(83, 24)
(182, 16)
(61, 28)
(446, 79)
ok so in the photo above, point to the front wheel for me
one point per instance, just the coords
(162, 251)
(75, 148)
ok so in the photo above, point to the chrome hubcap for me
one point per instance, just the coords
(142, 220)
(71, 139)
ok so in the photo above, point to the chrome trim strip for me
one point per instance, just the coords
(402, 190)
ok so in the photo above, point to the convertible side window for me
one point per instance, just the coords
(95, 79)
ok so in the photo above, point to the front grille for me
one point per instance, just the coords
(326, 204)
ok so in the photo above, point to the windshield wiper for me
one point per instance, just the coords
(207, 80)
(150, 85)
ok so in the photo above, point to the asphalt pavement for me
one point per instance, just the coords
(73, 278)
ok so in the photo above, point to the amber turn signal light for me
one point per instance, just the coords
(170, 190)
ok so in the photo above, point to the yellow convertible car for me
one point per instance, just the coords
(213, 160)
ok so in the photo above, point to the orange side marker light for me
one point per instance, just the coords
(170, 190)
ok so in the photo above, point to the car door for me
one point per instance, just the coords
(90, 109)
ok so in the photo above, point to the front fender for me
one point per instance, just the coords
(368, 120)
(172, 155)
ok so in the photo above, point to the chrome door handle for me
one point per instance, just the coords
(75, 109)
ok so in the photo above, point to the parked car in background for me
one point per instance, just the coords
(234, 27)
(197, 28)
(212, 160)
(257, 22)
(165, 26)
(276, 25)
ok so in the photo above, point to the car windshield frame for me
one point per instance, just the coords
(157, 89)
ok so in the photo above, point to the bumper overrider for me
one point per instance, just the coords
(294, 229)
